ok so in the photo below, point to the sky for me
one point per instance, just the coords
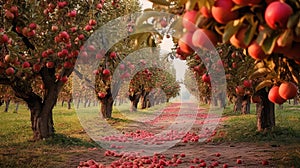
(166, 46)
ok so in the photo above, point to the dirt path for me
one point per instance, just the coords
(250, 154)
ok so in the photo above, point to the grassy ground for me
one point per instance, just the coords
(242, 128)
(16, 149)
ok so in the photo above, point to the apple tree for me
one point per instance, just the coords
(267, 31)
(40, 41)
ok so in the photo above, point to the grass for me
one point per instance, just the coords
(16, 149)
(286, 134)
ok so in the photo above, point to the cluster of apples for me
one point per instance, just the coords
(276, 17)
(283, 92)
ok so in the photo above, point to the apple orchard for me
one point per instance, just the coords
(256, 40)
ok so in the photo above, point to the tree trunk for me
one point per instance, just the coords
(107, 105)
(144, 99)
(17, 108)
(265, 112)
(246, 105)
(69, 103)
(134, 101)
(62, 103)
(7, 103)
(238, 104)
(78, 103)
(296, 100)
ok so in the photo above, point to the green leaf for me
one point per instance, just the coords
(261, 72)
(285, 38)
(190, 5)
(293, 20)
(263, 84)
(269, 44)
(160, 2)
(230, 29)
(250, 33)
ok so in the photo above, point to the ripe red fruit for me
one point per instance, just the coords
(277, 14)
(36, 67)
(92, 22)
(99, 6)
(218, 154)
(246, 2)
(32, 26)
(106, 72)
(113, 55)
(237, 39)
(225, 165)
(54, 28)
(239, 161)
(68, 65)
(185, 43)
(50, 64)
(14, 9)
(288, 90)
(202, 164)
(205, 12)
(64, 35)
(274, 95)
(102, 95)
(204, 38)
(247, 83)
(206, 78)
(264, 162)
(64, 79)
(80, 36)
(72, 13)
(25, 64)
(9, 15)
(189, 19)
(256, 52)
(88, 28)
(10, 71)
(182, 155)
(4, 38)
(221, 11)
(163, 23)
(239, 90)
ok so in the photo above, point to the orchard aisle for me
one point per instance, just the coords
(186, 152)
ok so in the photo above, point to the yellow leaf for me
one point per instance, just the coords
(263, 84)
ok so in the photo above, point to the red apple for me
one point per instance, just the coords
(81, 36)
(277, 14)
(247, 83)
(72, 13)
(10, 71)
(50, 64)
(32, 26)
(36, 67)
(64, 79)
(239, 90)
(274, 96)
(113, 55)
(92, 22)
(106, 72)
(7, 58)
(239, 161)
(54, 28)
(68, 65)
(9, 15)
(189, 20)
(88, 28)
(206, 78)
(221, 11)
(163, 23)
(102, 95)
(264, 162)
(99, 6)
(14, 9)
(4, 38)
(25, 64)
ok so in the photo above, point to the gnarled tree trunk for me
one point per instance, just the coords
(134, 101)
(238, 104)
(246, 104)
(107, 105)
(265, 112)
